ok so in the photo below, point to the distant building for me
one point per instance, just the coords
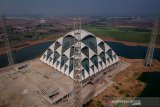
(42, 21)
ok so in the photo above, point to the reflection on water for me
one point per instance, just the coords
(26, 53)
(132, 52)
(152, 80)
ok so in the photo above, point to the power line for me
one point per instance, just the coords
(152, 42)
(7, 44)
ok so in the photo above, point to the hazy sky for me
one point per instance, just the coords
(80, 7)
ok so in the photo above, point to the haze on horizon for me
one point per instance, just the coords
(81, 7)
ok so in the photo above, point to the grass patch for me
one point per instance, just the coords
(99, 104)
(122, 34)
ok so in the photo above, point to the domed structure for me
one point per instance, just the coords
(96, 55)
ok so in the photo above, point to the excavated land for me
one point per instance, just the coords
(35, 84)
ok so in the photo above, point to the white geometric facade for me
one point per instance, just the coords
(96, 55)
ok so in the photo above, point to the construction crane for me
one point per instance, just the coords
(7, 44)
(152, 42)
(77, 88)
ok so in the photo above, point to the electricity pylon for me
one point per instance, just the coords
(77, 89)
(152, 42)
(7, 44)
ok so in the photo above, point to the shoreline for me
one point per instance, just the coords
(24, 45)
(31, 43)
(128, 43)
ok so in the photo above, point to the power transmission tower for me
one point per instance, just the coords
(152, 42)
(77, 89)
(7, 44)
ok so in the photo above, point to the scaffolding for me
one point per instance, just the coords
(152, 42)
(7, 44)
(77, 89)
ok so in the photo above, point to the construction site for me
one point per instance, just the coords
(40, 85)
(75, 69)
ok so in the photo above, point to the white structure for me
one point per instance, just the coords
(96, 55)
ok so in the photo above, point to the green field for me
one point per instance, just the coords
(122, 34)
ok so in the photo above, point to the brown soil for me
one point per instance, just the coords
(126, 83)
(128, 43)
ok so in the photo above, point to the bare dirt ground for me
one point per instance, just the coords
(128, 43)
(26, 87)
(126, 83)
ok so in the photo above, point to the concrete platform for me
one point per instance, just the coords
(39, 85)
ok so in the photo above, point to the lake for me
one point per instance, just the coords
(152, 80)
(31, 52)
